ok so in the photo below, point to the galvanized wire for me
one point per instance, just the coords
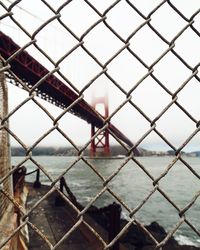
(56, 14)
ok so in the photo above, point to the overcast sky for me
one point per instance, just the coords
(30, 122)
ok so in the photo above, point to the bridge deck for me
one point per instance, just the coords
(49, 87)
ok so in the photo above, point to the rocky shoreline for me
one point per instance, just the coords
(135, 238)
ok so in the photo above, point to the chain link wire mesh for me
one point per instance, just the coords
(170, 47)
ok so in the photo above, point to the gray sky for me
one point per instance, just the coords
(29, 123)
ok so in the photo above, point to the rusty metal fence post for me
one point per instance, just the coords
(6, 207)
(5, 165)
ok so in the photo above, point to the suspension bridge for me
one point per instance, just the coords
(50, 88)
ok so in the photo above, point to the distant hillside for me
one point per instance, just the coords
(68, 151)
(115, 150)
(19, 151)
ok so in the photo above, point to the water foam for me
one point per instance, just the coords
(184, 240)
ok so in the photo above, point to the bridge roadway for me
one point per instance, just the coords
(52, 89)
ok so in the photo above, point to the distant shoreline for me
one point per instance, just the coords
(116, 151)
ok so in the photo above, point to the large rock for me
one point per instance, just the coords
(141, 241)
(135, 238)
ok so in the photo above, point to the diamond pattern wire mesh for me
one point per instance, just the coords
(126, 38)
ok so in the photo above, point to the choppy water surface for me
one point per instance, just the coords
(132, 185)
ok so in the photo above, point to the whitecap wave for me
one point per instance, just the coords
(184, 240)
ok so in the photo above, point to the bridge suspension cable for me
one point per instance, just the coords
(28, 12)
(33, 15)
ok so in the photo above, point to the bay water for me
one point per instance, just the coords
(132, 185)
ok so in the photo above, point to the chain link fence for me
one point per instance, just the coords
(164, 39)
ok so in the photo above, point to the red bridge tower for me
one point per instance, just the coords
(100, 145)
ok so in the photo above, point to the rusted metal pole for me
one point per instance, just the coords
(37, 183)
(5, 155)
(59, 201)
(62, 180)
(114, 223)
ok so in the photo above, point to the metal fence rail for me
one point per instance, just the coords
(146, 21)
